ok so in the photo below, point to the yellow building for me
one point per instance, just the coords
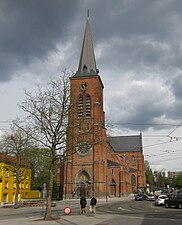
(8, 182)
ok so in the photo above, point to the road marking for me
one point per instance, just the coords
(124, 209)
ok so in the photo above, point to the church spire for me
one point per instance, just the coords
(87, 64)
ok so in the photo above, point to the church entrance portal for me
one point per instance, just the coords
(83, 185)
(113, 188)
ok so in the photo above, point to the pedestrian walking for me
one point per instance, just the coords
(83, 203)
(93, 203)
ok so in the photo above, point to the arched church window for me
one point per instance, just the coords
(80, 106)
(83, 176)
(133, 180)
(113, 182)
(88, 106)
(133, 161)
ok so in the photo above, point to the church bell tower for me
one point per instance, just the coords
(84, 172)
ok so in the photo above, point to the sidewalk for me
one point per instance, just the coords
(92, 219)
(73, 219)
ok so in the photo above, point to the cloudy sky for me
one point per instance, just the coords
(138, 48)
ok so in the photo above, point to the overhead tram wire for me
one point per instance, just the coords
(6, 121)
(166, 142)
(164, 154)
(158, 135)
(162, 160)
(174, 129)
(153, 124)
(147, 124)
(5, 127)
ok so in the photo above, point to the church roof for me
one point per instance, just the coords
(87, 64)
(112, 163)
(131, 143)
(132, 170)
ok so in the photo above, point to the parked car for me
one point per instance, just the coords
(173, 200)
(140, 197)
(160, 200)
(150, 197)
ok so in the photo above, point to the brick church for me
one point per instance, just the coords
(95, 163)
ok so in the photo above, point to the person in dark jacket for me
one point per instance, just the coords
(83, 203)
(93, 203)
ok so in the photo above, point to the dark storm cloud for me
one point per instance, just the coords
(177, 86)
(137, 43)
(141, 33)
(136, 33)
(30, 30)
(176, 107)
(160, 19)
(142, 38)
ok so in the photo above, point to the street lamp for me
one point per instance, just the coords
(106, 190)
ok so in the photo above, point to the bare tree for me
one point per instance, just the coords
(16, 146)
(46, 123)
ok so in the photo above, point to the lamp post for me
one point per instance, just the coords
(106, 190)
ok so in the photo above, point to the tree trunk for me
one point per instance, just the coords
(17, 188)
(49, 198)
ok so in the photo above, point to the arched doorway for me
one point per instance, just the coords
(133, 183)
(113, 188)
(83, 184)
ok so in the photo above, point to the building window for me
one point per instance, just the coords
(14, 185)
(88, 106)
(13, 197)
(133, 180)
(80, 106)
(5, 197)
(133, 161)
(7, 173)
(6, 184)
(27, 175)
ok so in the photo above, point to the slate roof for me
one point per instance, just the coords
(112, 163)
(131, 143)
(132, 170)
(87, 63)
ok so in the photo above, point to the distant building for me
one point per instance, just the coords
(96, 164)
(8, 184)
(172, 174)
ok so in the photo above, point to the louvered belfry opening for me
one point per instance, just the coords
(80, 106)
(84, 106)
(88, 106)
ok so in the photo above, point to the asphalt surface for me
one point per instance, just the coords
(115, 211)
(34, 215)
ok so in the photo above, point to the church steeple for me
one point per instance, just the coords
(87, 64)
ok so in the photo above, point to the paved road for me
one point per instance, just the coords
(115, 212)
(144, 212)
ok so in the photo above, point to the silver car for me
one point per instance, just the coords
(160, 200)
